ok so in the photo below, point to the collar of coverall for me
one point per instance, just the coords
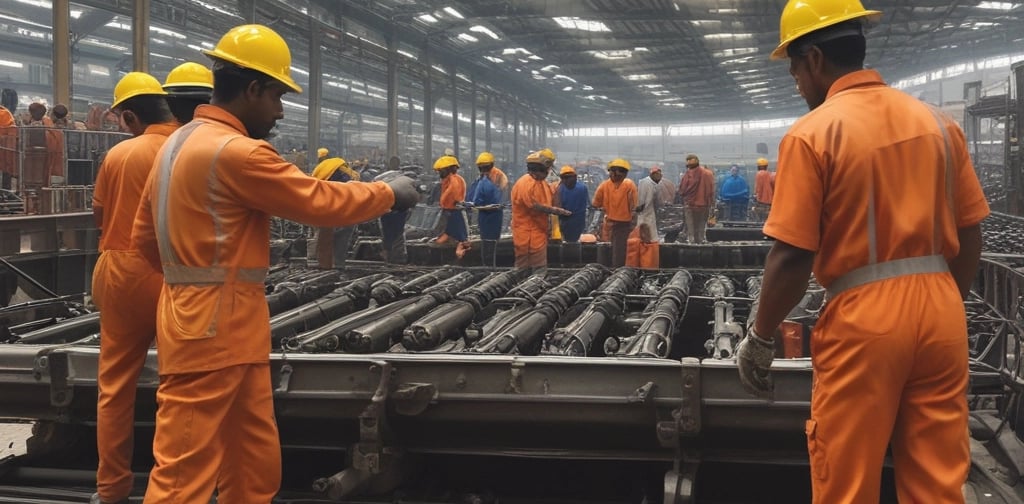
(860, 78)
(213, 113)
(164, 129)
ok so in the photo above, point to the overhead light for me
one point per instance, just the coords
(11, 64)
(747, 85)
(75, 14)
(405, 53)
(730, 36)
(454, 13)
(673, 104)
(595, 97)
(575, 23)
(427, 18)
(169, 33)
(567, 88)
(612, 55)
(549, 68)
(757, 90)
(468, 38)
(652, 86)
(535, 57)
(300, 71)
(638, 77)
(494, 59)
(675, 5)
(587, 88)
(206, 45)
(508, 51)
(98, 70)
(640, 49)
(724, 11)
(439, 68)
(668, 100)
(485, 30)
(566, 77)
(738, 51)
(660, 93)
(998, 5)
(119, 26)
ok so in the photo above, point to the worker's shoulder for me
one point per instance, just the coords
(121, 150)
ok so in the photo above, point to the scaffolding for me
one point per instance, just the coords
(992, 128)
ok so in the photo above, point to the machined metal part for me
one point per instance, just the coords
(608, 302)
(654, 337)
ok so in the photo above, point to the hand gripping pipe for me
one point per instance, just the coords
(523, 334)
(379, 334)
(346, 299)
(654, 337)
(576, 338)
(449, 321)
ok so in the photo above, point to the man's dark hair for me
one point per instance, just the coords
(230, 80)
(184, 108)
(843, 44)
(60, 111)
(537, 167)
(36, 110)
(150, 109)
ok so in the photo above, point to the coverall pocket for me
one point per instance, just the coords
(816, 451)
(194, 310)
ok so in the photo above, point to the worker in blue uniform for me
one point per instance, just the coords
(735, 192)
(486, 198)
(573, 197)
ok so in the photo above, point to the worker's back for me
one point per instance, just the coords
(873, 147)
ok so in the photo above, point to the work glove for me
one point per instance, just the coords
(754, 357)
(563, 212)
(406, 195)
(640, 208)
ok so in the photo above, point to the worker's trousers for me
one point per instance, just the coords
(696, 223)
(619, 235)
(125, 288)
(216, 429)
(890, 367)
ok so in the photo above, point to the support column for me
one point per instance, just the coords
(392, 126)
(515, 133)
(247, 8)
(487, 125)
(428, 111)
(315, 93)
(62, 52)
(140, 36)
(472, 119)
(455, 112)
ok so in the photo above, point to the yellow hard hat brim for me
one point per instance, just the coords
(133, 94)
(283, 79)
(206, 85)
(780, 52)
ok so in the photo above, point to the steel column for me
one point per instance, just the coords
(140, 36)
(472, 118)
(392, 143)
(62, 52)
(247, 8)
(515, 133)
(487, 125)
(428, 110)
(455, 112)
(315, 93)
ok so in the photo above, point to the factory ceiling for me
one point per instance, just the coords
(585, 61)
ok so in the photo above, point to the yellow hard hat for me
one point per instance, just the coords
(322, 152)
(762, 162)
(543, 156)
(259, 48)
(567, 170)
(189, 74)
(485, 158)
(444, 162)
(800, 17)
(136, 84)
(619, 162)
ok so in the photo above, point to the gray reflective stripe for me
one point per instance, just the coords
(872, 226)
(886, 270)
(174, 143)
(197, 275)
(950, 201)
(174, 271)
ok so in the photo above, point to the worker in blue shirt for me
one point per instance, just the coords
(573, 197)
(735, 192)
(486, 198)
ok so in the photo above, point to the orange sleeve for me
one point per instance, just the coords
(599, 195)
(632, 196)
(143, 228)
(969, 199)
(99, 190)
(799, 196)
(541, 194)
(268, 183)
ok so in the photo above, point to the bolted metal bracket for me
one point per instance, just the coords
(679, 483)
(284, 379)
(55, 365)
(411, 399)
(515, 379)
(644, 394)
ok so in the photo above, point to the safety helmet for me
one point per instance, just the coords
(800, 17)
(762, 162)
(189, 74)
(619, 163)
(136, 84)
(485, 158)
(322, 152)
(444, 162)
(543, 156)
(259, 48)
(567, 170)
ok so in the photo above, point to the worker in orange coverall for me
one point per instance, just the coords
(897, 251)
(764, 190)
(531, 206)
(205, 221)
(124, 286)
(642, 248)
(618, 197)
(452, 203)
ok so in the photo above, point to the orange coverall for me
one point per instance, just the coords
(890, 356)
(205, 220)
(8, 147)
(125, 288)
(530, 226)
(618, 202)
(764, 187)
(642, 254)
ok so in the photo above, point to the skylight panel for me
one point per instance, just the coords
(575, 23)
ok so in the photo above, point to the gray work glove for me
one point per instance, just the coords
(406, 195)
(754, 357)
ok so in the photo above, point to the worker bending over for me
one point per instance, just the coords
(617, 196)
(204, 219)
